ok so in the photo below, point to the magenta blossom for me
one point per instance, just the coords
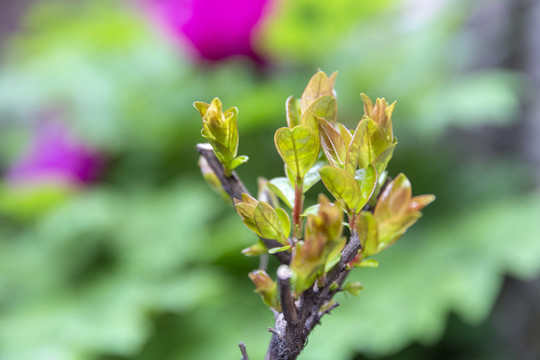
(217, 29)
(55, 155)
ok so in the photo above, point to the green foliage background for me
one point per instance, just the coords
(146, 263)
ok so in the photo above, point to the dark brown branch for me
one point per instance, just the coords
(284, 274)
(243, 351)
(292, 326)
(234, 187)
(290, 337)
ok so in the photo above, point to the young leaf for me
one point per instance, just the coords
(237, 161)
(384, 157)
(333, 253)
(292, 107)
(324, 107)
(332, 143)
(267, 222)
(246, 212)
(368, 104)
(373, 144)
(284, 222)
(299, 149)
(353, 288)
(367, 180)
(312, 176)
(342, 185)
(312, 210)
(355, 145)
(345, 133)
(255, 250)
(367, 230)
(279, 249)
(266, 287)
(282, 187)
(370, 263)
(319, 85)
(397, 210)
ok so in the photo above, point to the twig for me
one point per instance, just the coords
(284, 274)
(243, 351)
(274, 331)
(234, 187)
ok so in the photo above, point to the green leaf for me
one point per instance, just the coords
(366, 227)
(312, 176)
(299, 149)
(246, 212)
(370, 263)
(282, 187)
(266, 287)
(353, 288)
(345, 133)
(355, 146)
(374, 142)
(332, 143)
(255, 250)
(279, 249)
(201, 107)
(324, 107)
(384, 157)
(267, 222)
(224, 155)
(367, 180)
(284, 222)
(333, 253)
(312, 210)
(342, 185)
(292, 107)
(239, 160)
(319, 85)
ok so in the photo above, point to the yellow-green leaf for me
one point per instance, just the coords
(384, 157)
(237, 161)
(324, 107)
(345, 133)
(332, 143)
(312, 176)
(281, 186)
(355, 145)
(279, 249)
(255, 250)
(267, 222)
(374, 142)
(367, 180)
(299, 149)
(319, 85)
(342, 185)
(369, 263)
(292, 107)
(284, 222)
(366, 227)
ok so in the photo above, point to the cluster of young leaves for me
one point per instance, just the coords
(351, 165)
(221, 130)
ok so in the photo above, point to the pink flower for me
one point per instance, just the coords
(55, 155)
(217, 29)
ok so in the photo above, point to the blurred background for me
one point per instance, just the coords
(112, 247)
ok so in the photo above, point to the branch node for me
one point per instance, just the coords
(275, 332)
